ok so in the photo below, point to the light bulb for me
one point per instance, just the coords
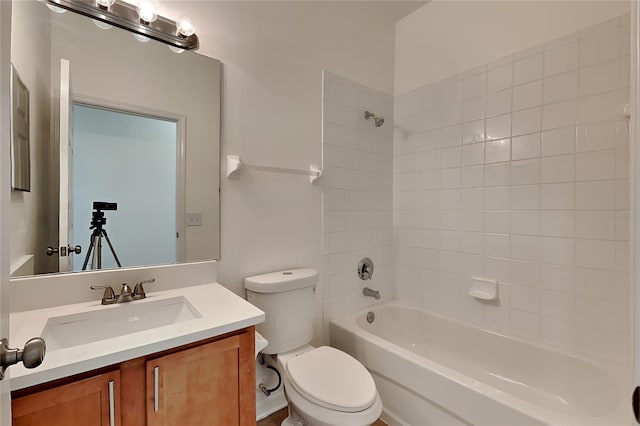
(147, 11)
(105, 4)
(185, 26)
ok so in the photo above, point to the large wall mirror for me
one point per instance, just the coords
(124, 146)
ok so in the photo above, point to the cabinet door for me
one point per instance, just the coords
(90, 402)
(203, 386)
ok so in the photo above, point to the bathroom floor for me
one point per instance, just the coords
(276, 418)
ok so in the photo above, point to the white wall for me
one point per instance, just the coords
(446, 37)
(358, 197)
(143, 228)
(29, 210)
(517, 170)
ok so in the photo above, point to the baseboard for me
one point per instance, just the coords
(391, 418)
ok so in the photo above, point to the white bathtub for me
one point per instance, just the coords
(434, 371)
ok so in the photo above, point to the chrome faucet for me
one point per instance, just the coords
(371, 293)
(126, 295)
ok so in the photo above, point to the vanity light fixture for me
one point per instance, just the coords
(142, 20)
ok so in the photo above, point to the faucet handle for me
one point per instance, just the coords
(138, 291)
(125, 289)
(109, 295)
(125, 294)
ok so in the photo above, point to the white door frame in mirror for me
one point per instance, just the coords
(180, 120)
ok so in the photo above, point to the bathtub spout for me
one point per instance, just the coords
(371, 293)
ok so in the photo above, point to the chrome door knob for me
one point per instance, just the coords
(33, 353)
(31, 356)
(51, 250)
(76, 249)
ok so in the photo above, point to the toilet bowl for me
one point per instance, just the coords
(323, 386)
(327, 387)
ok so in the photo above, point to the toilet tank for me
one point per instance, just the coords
(287, 299)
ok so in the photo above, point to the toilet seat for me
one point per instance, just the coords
(332, 379)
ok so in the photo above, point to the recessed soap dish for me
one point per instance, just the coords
(484, 289)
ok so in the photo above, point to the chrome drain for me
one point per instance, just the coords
(370, 317)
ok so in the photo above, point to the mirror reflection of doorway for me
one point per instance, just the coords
(131, 160)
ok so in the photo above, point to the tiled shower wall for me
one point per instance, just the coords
(357, 194)
(517, 171)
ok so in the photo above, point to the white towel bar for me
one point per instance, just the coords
(234, 163)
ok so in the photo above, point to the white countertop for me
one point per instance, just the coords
(222, 312)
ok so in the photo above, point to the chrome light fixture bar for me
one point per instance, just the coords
(125, 16)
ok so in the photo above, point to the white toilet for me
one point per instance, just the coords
(324, 386)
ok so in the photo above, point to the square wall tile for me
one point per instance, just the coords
(496, 221)
(525, 222)
(525, 172)
(527, 146)
(526, 121)
(516, 170)
(557, 196)
(498, 127)
(473, 154)
(497, 174)
(499, 103)
(473, 109)
(560, 114)
(559, 141)
(600, 47)
(598, 195)
(525, 197)
(561, 59)
(527, 95)
(528, 69)
(597, 165)
(473, 131)
(450, 136)
(500, 78)
(474, 86)
(497, 151)
(558, 223)
(558, 169)
(496, 198)
(472, 176)
(599, 78)
(597, 136)
(561, 87)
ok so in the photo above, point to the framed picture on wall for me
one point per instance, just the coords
(20, 155)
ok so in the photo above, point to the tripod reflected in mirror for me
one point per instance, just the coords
(98, 221)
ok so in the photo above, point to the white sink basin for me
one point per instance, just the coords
(116, 320)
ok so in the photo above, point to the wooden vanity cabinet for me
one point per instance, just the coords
(207, 383)
(92, 401)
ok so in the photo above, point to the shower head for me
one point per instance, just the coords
(378, 121)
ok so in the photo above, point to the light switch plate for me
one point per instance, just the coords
(194, 219)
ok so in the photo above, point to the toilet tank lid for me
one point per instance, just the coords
(291, 279)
